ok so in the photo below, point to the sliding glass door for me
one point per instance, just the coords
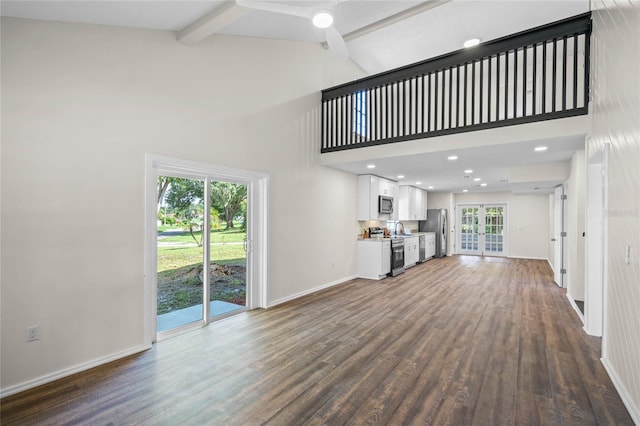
(227, 249)
(201, 250)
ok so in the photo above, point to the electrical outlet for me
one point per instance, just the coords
(33, 333)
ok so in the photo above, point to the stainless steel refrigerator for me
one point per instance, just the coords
(436, 222)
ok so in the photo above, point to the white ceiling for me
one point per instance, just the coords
(491, 164)
(438, 28)
(435, 31)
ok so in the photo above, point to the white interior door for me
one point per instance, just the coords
(594, 293)
(482, 229)
(557, 240)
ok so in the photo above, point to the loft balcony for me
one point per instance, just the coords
(535, 75)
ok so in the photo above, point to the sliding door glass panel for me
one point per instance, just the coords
(180, 252)
(227, 248)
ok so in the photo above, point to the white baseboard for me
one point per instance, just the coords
(306, 292)
(527, 257)
(11, 390)
(634, 410)
(575, 307)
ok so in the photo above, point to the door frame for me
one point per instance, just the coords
(481, 206)
(596, 242)
(558, 237)
(257, 202)
(559, 216)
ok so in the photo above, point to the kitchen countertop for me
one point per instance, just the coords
(417, 234)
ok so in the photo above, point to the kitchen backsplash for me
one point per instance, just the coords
(411, 225)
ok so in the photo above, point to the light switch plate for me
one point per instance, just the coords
(627, 255)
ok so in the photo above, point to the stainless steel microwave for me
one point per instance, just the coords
(385, 204)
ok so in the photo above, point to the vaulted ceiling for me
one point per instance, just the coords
(380, 34)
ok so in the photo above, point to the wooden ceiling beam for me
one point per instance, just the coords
(211, 23)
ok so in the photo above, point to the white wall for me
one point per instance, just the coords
(615, 110)
(81, 105)
(575, 204)
(528, 221)
(439, 200)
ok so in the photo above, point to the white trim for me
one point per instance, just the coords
(574, 305)
(257, 221)
(312, 290)
(627, 400)
(150, 251)
(594, 245)
(70, 371)
(525, 257)
(605, 260)
(257, 217)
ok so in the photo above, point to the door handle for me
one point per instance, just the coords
(553, 239)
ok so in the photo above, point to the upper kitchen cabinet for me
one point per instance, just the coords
(377, 198)
(413, 203)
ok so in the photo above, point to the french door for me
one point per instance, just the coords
(482, 229)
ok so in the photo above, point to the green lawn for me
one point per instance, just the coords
(221, 252)
(177, 257)
(180, 270)
(226, 236)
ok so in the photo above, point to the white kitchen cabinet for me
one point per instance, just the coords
(374, 258)
(413, 203)
(430, 245)
(411, 251)
(370, 187)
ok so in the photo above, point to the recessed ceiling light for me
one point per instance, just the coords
(468, 171)
(465, 190)
(400, 176)
(452, 157)
(418, 183)
(477, 179)
(471, 42)
(371, 166)
(483, 184)
(540, 148)
(429, 187)
(322, 19)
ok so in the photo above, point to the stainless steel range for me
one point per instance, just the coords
(397, 256)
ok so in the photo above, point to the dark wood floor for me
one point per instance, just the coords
(460, 340)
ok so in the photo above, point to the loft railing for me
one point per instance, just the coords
(535, 75)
